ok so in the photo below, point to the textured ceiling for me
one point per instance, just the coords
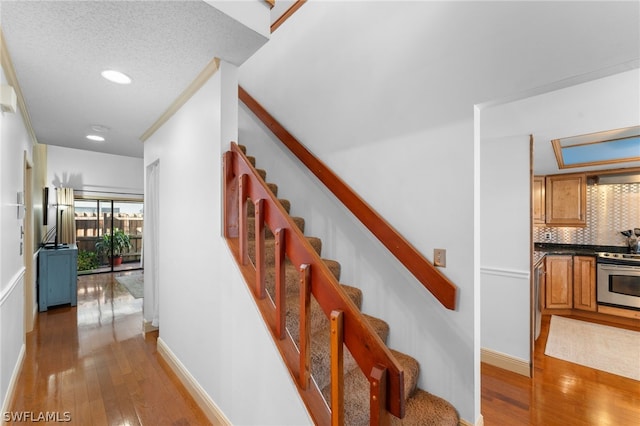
(59, 48)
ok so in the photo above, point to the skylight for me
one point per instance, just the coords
(610, 147)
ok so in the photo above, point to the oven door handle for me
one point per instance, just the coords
(607, 267)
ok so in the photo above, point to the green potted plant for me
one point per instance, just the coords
(119, 241)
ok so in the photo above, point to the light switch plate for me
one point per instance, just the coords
(440, 257)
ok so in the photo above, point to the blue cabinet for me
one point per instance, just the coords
(57, 276)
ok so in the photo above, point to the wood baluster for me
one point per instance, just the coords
(337, 368)
(305, 325)
(230, 197)
(378, 396)
(242, 220)
(260, 249)
(281, 307)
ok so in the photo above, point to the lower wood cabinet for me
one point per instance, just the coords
(570, 282)
(584, 283)
(559, 282)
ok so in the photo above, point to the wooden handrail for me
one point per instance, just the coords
(242, 182)
(424, 271)
(287, 14)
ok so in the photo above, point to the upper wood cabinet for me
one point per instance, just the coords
(566, 199)
(538, 200)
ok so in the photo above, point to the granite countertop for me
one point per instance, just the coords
(542, 249)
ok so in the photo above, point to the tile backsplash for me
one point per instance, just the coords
(610, 209)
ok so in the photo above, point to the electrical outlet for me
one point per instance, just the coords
(547, 236)
(440, 257)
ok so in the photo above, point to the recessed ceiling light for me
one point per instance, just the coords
(116, 76)
(99, 128)
(95, 138)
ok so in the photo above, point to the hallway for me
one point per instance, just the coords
(91, 364)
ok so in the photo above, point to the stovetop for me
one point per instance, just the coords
(619, 258)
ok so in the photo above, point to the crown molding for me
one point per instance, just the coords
(211, 68)
(12, 79)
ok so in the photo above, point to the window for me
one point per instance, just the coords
(100, 226)
(610, 147)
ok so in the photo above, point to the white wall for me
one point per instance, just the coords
(505, 244)
(14, 142)
(604, 104)
(207, 316)
(95, 171)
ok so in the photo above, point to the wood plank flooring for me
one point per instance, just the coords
(560, 393)
(92, 363)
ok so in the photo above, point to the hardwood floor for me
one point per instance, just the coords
(560, 393)
(91, 363)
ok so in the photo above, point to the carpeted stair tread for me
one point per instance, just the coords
(262, 173)
(243, 148)
(251, 231)
(318, 318)
(411, 370)
(292, 278)
(421, 407)
(334, 267)
(321, 358)
(321, 352)
(252, 160)
(251, 211)
(425, 409)
(269, 245)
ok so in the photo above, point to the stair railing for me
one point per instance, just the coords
(431, 278)
(348, 324)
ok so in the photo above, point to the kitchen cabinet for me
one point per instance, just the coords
(559, 282)
(538, 201)
(584, 283)
(57, 276)
(566, 199)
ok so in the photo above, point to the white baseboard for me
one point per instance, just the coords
(12, 382)
(506, 362)
(480, 422)
(202, 399)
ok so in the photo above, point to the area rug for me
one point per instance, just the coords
(134, 283)
(610, 349)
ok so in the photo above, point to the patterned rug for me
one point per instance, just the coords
(611, 349)
(134, 283)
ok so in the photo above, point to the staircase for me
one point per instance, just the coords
(421, 407)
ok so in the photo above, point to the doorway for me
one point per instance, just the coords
(109, 235)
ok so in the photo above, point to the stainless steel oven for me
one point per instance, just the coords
(618, 280)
